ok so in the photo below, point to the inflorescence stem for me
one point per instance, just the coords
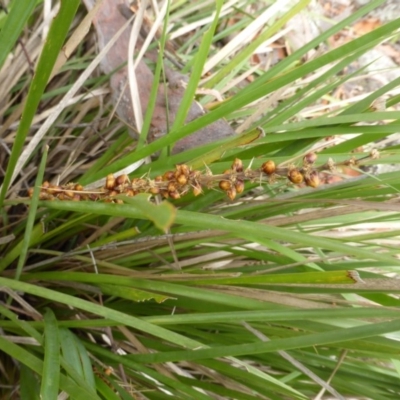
(175, 184)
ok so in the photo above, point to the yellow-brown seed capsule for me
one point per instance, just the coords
(225, 185)
(122, 179)
(237, 165)
(182, 169)
(268, 167)
(45, 196)
(53, 189)
(182, 179)
(231, 193)
(171, 187)
(69, 193)
(78, 187)
(110, 182)
(154, 190)
(295, 176)
(30, 192)
(239, 186)
(197, 189)
(312, 179)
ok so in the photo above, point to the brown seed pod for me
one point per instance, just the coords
(239, 186)
(169, 176)
(76, 197)
(225, 185)
(310, 158)
(79, 187)
(122, 179)
(110, 182)
(295, 176)
(164, 194)
(237, 165)
(231, 193)
(268, 167)
(174, 195)
(30, 192)
(312, 179)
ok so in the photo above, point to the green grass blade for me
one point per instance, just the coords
(297, 342)
(162, 215)
(51, 366)
(36, 365)
(75, 355)
(23, 325)
(30, 387)
(100, 310)
(245, 229)
(19, 12)
(35, 236)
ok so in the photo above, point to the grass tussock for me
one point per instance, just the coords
(255, 260)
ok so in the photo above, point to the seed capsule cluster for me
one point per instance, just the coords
(182, 180)
(234, 185)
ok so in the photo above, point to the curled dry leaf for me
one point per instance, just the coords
(107, 22)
